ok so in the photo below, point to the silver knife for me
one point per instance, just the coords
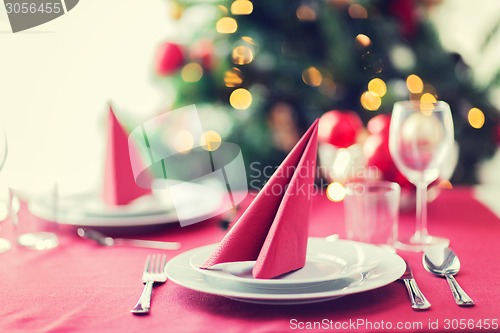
(418, 300)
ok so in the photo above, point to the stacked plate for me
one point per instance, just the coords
(332, 270)
(89, 209)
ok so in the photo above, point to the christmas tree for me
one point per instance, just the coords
(260, 72)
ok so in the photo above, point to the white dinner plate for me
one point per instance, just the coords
(319, 268)
(88, 210)
(389, 268)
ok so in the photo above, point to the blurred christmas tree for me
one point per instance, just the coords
(261, 71)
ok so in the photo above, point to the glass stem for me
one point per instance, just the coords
(421, 230)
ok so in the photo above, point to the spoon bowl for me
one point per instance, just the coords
(442, 261)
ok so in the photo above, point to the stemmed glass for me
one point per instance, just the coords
(421, 137)
(5, 244)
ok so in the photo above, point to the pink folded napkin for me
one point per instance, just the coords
(274, 228)
(119, 186)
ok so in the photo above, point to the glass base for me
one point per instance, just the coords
(4, 245)
(420, 243)
(38, 240)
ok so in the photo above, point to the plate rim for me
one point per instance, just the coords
(277, 298)
(168, 217)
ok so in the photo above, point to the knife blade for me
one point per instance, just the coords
(417, 298)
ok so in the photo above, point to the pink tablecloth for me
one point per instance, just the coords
(85, 288)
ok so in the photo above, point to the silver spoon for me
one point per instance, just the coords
(442, 261)
(104, 240)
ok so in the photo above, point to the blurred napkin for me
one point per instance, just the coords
(274, 228)
(119, 183)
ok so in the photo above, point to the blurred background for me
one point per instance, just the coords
(259, 72)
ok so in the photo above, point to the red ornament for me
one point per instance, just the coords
(170, 58)
(497, 134)
(339, 128)
(379, 124)
(406, 13)
(376, 150)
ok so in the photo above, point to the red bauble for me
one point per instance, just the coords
(376, 150)
(379, 124)
(339, 128)
(170, 58)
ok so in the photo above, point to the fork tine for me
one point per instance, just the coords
(163, 263)
(152, 269)
(146, 265)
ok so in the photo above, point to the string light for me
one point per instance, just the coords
(414, 84)
(363, 40)
(226, 25)
(335, 192)
(240, 99)
(305, 13)
(241, 7)
(328, 87)
(223, 9)
(192, 72)
(242, 55)
(377, 86)
(233, 77)
(428, 98)
(445, 185)
(211, 140)
(248, 39)
(356, 11)
(312, 77)
(370, 101)
(476, 118)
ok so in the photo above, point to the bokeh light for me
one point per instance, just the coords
(211, 140)
(192, 72)
(233, 77)
(242, 55)
(335, 192)
(248, 39)
(241, 7)
(226, 25)
(357, 11)
(428, 98)
(305, 13)
(476, 118)
(377, 86)
(312, 77)
(414, 84)
(328, 87)
(183, 142)
(445, 185)
(370, 101)
(240, 99)
(363, 40)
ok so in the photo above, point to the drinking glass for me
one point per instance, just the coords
(5, 244)
(32, 232)
(421, 137)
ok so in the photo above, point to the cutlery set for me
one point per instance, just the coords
(443, 262)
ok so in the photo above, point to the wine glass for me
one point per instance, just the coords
(5, 244)
(421, 137)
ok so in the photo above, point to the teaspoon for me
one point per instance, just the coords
(442, 261)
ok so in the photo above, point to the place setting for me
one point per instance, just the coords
(268, 258)
(121, 202)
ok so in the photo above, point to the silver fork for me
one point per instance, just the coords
(154, 272)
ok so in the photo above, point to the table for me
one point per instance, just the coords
(81, 287)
